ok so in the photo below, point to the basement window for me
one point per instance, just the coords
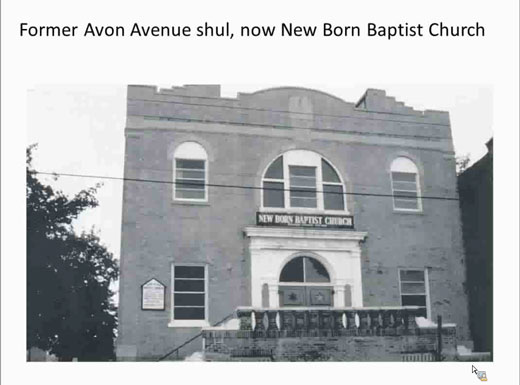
(189, 296)
(414, 290)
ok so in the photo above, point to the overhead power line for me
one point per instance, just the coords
(232, 186)
(284, 126)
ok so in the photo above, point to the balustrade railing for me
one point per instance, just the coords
(328, 321)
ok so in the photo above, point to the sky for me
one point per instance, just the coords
(80, 130)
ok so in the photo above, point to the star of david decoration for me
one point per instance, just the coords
(292, 297)
(319, 298)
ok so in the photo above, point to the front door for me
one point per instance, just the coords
(304, 281)
(305, 296)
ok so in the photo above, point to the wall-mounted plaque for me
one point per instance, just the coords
(152, 295)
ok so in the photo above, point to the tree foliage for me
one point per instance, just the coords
(69, 308)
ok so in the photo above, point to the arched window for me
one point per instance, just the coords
(304, 269)
(405, 185)
(302, 179)
(190, 172)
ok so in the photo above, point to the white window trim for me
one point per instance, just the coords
(304, 283)
(270, 180)
(295, 158)
(317, 284)
(323, 184)
(319, 196)
(191, 151)
(189, 323)
(302, 210)
(426, 288)
(419, 208)
(206, 173)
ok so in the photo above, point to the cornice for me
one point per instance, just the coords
(304, 233)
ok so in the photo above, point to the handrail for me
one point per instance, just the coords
(193, 338)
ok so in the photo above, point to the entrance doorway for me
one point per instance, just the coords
(304, 281)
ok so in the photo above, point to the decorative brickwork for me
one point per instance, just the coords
(241, 137)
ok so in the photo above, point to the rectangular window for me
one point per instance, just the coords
(413, 285)
(189, 293)
(333, 197)
(303, 186)
(190, 179)
(273, 185)
(273, 194)
(404, 186)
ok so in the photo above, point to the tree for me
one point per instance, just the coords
(70, 312)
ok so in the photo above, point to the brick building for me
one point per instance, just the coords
(285, 198)
(476, 203)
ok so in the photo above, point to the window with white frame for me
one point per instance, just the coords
(414, 289)
(273, 184)
(302, 179)
(405, 185)
(333, 197)
(190, 172)
(304, 269)
(189, 293)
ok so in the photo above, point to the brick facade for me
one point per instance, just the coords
(241, 137)
(476, 203)
(419, 345)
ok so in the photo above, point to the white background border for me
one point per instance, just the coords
(492, 61)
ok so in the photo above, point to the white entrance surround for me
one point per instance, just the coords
(338, 250)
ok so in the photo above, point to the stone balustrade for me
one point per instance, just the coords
(329, 334)
(304, 321)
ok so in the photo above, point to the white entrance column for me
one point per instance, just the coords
(356, 287)
(339, 293)
(274, 298)
(271, 248)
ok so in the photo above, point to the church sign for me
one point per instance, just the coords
(152, 295)
(305, 220)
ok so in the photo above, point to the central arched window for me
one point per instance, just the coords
(304, 269)
(302, 179)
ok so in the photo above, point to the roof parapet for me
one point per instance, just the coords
(199, 90)
(377, 101)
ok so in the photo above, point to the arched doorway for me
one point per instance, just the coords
(304, 281)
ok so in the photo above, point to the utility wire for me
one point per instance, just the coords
(300, 113)
(284, 126)
(231, 186)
